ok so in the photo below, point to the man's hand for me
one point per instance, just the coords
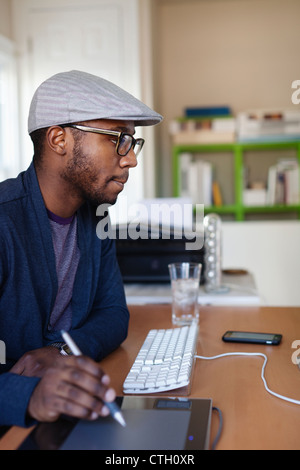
(75, 386)
(36, 362)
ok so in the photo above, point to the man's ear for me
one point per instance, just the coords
(56, 139)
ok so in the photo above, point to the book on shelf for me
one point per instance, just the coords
(268, 125)
(198, 111)
(184, 174)
(205, 179)
(196, 180)
(203, 137)
(254, 197)
(203, 131)
(217, 199)
(283, 183)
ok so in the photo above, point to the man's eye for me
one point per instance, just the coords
(123, 140)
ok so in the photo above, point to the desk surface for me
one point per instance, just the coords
(253, 419)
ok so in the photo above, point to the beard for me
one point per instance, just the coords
(83, 179)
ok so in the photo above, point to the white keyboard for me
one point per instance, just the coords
(164, 362)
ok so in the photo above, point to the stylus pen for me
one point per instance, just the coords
(112, 406)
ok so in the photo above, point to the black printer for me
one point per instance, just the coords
(146, 258)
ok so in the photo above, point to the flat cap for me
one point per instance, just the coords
(79, 96)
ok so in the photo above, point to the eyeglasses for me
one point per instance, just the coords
(125, 142)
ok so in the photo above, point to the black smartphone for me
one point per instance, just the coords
(250, 337)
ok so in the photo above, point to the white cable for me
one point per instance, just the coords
(291, 400)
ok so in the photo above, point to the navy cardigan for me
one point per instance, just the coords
(28, 286)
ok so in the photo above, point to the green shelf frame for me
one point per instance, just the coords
(237, 209)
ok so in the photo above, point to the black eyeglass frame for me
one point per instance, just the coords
(139, 142)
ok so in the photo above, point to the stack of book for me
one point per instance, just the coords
(196, 181)
(283, 183)
(204, 125)
(255, 196)
(268, 126)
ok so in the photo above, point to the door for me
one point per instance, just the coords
(96, 36)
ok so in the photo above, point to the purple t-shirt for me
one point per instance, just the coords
(64, 236)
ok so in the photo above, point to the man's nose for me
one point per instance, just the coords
(129, 159)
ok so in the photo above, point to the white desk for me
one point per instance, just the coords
(242, 291)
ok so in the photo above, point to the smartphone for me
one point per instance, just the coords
(249, 337)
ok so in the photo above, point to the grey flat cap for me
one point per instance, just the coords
(79, 96)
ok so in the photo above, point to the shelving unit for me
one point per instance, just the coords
(236, 208)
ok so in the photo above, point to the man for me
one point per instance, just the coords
(54, 271)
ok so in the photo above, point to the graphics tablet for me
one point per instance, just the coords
(151, 424)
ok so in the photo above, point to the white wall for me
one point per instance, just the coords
(241, 53)
(271, 252)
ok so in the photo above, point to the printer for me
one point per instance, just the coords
(146, 258)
